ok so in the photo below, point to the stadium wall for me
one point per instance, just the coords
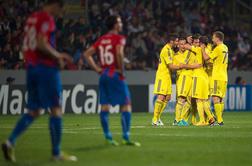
(80, 94)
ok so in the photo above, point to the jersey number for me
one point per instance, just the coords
(106, 56)
(30, 42)
(225, 60)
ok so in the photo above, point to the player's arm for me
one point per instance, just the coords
(190, 66)
(188, 46)
(88, 54)
(120, 56)
(205, 55)
(44, 46)
(174, 67)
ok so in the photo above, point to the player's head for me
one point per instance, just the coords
(172, 39)
(196, 41)
(181, 43)
(218, 37)
(203, 40)
(54, 7)
(114, 22)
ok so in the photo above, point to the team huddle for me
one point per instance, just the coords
(201, 74)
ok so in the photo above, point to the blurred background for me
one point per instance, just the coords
(146, 25)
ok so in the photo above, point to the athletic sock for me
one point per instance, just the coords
(24, 122)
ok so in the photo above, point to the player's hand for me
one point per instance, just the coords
(99, 70)
(203, 46)
(66, 57)
(196, 66)
(61, 64)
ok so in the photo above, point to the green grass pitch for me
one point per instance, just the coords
(161, 146)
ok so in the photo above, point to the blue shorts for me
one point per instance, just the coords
(113, 90)
(44, 87)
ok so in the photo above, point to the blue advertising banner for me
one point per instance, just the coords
(238, 98)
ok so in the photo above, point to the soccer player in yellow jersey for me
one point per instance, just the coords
(200, 90)
(208, 66)
(184, 80)
(219, 80)
(163, 83)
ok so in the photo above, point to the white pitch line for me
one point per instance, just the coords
(164, 135)
(134, 127)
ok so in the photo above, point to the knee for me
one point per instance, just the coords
(181, 100)
(168, 98)
(35, 113)
(216, 99)
(125, 108)
(161, 97)
(56, 112)
(105, 108)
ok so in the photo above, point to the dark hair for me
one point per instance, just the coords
(111, 21)
(219, 35)
(196, 36)
(172, 37)
(204, 40)
(182, 36)
(50, 2)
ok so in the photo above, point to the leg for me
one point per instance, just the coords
(167, 99)
(55, 126)
(200, 108)
(207, 109)
(126, 120)
(126, 123)
(178, 108)
(185, 113)
(104, 119)
(158, 108)
(218, 108)
(21, 126)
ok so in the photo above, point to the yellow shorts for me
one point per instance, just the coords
(209, 84)
(184, 85)
(200, 88)
(218, 88)
(163, 86)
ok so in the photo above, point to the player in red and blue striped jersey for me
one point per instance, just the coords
(112, 87)
(42, 78)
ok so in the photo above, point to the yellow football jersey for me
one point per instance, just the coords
(185, 57)
(199, 72)
(219, 55)
(209, 63)
(165, 59)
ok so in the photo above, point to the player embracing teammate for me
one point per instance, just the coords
(201, 70)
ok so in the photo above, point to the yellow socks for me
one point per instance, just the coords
(162, 109)
(157, 109)
(178, 109)
(218, 108)
(207, 109)
(185, 111)
(200, 108)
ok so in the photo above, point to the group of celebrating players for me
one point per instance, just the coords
(201, 73)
